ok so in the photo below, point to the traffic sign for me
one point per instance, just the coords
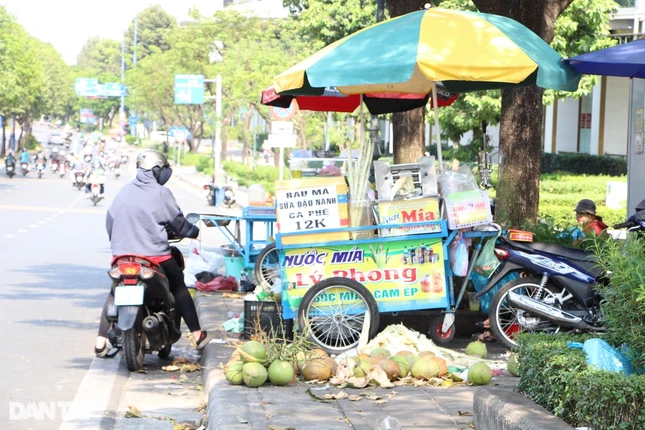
(282, 140)
(282, 127)
(111, 89)
(86, 86)
(180, 136)
(88, 116)
(189, 89)
(282, 114)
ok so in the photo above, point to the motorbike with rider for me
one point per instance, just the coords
(10, 164)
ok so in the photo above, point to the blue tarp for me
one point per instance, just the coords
(626, 60)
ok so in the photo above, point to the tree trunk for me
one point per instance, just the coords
(520, 144)
(408, 133)
(407, 127)
(520, 140)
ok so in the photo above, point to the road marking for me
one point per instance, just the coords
(51, 209)
(22, 230)
(34, 226)
(9, 236)
(93, 395)
(42, 222)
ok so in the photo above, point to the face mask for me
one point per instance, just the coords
(163, 175)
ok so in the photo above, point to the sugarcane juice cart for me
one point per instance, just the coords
(343, 261)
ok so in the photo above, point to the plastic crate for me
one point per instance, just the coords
(270, 316)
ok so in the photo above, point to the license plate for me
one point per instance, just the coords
(207, 192)
(128, 296)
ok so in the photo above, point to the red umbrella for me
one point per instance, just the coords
(333, 100)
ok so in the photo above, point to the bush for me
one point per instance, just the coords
(130, 139)
(245, 176)
(30, 142)
(583, 164)
(557, 377)
(624, 296)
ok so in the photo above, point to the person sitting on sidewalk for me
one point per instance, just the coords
(588, 220)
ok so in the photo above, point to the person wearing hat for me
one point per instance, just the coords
(587, 218)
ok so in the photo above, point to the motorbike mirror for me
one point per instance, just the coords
(193, 218)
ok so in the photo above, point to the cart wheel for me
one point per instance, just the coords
(267, 265)
(334, 313)
(437, 336)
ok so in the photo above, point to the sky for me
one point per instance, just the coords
(67, 24)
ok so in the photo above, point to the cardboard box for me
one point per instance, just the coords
(408, 211)
(312, 204)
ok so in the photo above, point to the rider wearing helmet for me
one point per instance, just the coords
(95, 173)
(138, 222)
(24, 156)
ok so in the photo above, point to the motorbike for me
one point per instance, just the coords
(40, 168)
(209, 193)
(24, 168)
(79, 180)
(11, 169)
(143, 317)
(54, 166)
(229, 197)
(115, 168)
(555, 291)
(124, 159)
(62, 169)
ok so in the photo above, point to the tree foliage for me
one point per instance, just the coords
(154, 29)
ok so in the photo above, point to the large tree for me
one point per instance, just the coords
(154, 29)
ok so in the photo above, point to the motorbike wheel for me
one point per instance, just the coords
(267, 265)
(95, 201)
(134, 347)
(506, 321)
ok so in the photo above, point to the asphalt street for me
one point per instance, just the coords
(55, 255)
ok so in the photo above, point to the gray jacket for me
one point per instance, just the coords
(138, 216)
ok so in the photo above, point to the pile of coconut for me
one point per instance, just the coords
(397, 356)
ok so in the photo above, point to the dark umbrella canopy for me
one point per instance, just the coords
(333, 100)
(626, 60)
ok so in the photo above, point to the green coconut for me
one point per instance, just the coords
(233, 372)
(253, 351)
(280, 372)
(411, 359)
(513, 365)
(425, 368)
(479, 374)
(404, 366)
(254, 374)
(362, 369)
(477, 349)
(383, 352)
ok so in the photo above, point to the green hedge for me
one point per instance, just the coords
(583, 164)
(557, 377)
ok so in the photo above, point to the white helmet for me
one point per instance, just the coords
(150, 158)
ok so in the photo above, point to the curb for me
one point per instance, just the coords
(503, 408)
(225, 403)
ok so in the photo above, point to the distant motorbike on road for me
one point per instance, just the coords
(144, 317)
(62, 169)
(54, 166)
(79, 180)
(11, 169)
(40, 169)
(24, 168)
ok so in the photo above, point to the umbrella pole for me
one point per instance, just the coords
(435, 106)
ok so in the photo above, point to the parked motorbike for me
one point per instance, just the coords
(229, 197)
(555, 291)
(24, 168)
(11, 169)
(144, 317)
(209, 193)
(40, 169)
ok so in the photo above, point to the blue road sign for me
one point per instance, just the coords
(111, 89)
(189, 89)
(88, 116)
(86, 87)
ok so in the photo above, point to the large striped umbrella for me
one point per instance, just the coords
(463, 51)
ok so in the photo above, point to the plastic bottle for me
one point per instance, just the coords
(421, 254)
(232, 314)
(406, 255)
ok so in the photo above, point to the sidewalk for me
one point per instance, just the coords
(238, 407)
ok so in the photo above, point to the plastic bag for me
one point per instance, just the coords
(189, 279)
(603, 356)
(451, 181)
(480, 282)
(487, 261)
(460, 264)
(221, 283)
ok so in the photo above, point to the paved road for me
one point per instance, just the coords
(55, 255)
